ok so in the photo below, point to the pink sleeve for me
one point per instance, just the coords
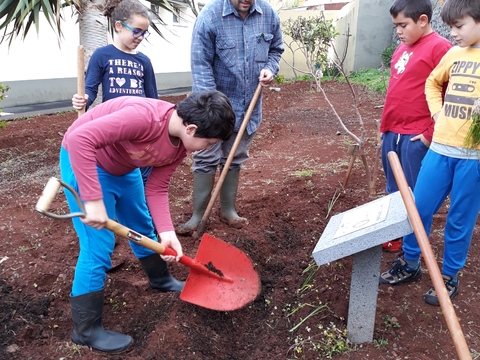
(156, 192)
(128, 123)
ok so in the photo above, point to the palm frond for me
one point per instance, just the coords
(18, 16)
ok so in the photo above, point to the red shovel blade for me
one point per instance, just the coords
(237, 285)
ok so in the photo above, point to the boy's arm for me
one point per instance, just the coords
(156, 192)
(434, 86)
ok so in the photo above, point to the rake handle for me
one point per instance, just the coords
(433, 270)
(208, 210)
(81, 76)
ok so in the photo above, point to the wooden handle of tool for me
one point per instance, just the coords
(159, 248)
(140, 239)
(433, 270)
(125, 232)
(199, 231)
(48, 194)
(80, 76)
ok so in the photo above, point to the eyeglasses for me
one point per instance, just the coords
(137, 33)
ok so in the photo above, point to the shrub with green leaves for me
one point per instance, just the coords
(3, 90)
(313, 36)
(387, 54)
(280, 79)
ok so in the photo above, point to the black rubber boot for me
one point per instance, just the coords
(228, 195)
(159, 278)
(87, 312)
(202, 189)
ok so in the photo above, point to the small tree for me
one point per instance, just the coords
(314, 41)
(312, 38)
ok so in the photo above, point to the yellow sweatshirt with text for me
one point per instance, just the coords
(461, 68)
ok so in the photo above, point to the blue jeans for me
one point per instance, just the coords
(442, 175)
(410, 154)
(124, 199)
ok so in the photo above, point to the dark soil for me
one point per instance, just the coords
(297, 162)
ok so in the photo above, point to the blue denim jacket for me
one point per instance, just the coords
(228, 53)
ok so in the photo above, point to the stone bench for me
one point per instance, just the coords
(361, 232)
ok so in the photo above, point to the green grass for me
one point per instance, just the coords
(371, 78)
(3, 124)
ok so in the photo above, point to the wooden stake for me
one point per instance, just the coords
(352, 151)
(433, 270)
(80, 75)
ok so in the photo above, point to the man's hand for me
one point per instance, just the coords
(422, 139)
(79, 102)
(265, 78)
(96, 214)
(169, 239)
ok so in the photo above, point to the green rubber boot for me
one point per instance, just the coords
(88, 330)
(228, 195)
(202, 189)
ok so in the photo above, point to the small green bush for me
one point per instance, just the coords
(373, 79)
(305, 77)
(280, 79)
(3, 90)
(387, 54)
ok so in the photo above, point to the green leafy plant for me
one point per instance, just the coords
(387, 54)
(372, 79)
(329, 342)
(3, 91)
(115, 305)
(303, 173)
(391, 322)
(280, 78)
(472, 140)
(380, 343)
(312, 37)
(312, 268)
(306, 78)
(332, 202)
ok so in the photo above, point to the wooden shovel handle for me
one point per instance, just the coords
(159, 248)
(81, 75)
(433, 270)
(201, 225)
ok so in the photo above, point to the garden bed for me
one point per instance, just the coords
(297, 163)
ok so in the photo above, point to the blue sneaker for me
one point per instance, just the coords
(400, 273)
(452, 287)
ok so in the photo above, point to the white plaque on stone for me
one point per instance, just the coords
(370, 214)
